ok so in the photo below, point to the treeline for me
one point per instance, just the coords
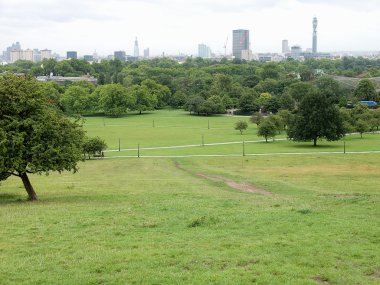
(201, 86)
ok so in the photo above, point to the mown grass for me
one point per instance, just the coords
(147, 221)
(178, 128)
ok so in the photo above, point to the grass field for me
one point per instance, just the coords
(164, 221)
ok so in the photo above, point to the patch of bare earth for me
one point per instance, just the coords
(242, 186)
(375, 274)
(320, 280)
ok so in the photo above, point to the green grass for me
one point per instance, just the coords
(178, 128)
(146, 221)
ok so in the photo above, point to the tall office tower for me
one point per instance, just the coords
(46, 54)
(146, 53)
(72, 55)
(240, 42)
(204, 51)
(120, 55)
(315, 23)
(285, 46)
(136, 49)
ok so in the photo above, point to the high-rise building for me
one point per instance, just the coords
(7, 53)
(204, 51)
(146, 53)
(46, 54)
(88, 57)
(72, 55)
(136, 51)
(285, 46)
(120, 55)
(240, 42)
(315, 24)
(21, 55)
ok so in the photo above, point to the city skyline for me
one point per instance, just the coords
(164, 26)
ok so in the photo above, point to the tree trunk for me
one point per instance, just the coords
(28, 187)
(315, 141)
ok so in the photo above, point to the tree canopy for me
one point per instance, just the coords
(316, 118)
(34, 136)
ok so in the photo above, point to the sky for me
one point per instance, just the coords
(174, 26)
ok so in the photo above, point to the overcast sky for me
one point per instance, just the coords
(174, 26)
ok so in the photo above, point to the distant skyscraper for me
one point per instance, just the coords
(88, 57)
(204, 51)
(240, 42)
(46, 54)
(315, 23)
(146, 53)
(285, 46)
(120, 55)
(71, 55)
(136, 52)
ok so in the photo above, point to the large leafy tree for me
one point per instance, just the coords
(115, 100)
(76, 100)
(34, 136)
(366, 90)
(316, 118)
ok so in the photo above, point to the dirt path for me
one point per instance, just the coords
(242, 186)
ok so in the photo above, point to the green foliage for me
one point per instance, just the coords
(248, 102)
(256, 118)
(76, 100)
(94, 146)
(316, 118)
(145, 100)
(241, 126)
(115, 100)
(267, 129)
(34, 137)
(366, 91)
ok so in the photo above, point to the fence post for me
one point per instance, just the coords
(344, 147)
(119, 144)
(138, 150)
(208, 124)
(243, 148)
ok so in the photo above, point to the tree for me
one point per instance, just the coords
(145, 100)
(34, 136)
(76, 99)
(362, 126)
(162, 92)
(194, 103)
(316, 118)
(366, 91)
(94, 146)
(286, 117)
(115, 100)
(256, 118)
(247, 102)
(267, 129)
(241, 126)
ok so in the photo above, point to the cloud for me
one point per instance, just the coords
(366, 5)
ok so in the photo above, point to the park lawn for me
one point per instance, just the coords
(178, 128)
(154, 221)
(175, 127)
